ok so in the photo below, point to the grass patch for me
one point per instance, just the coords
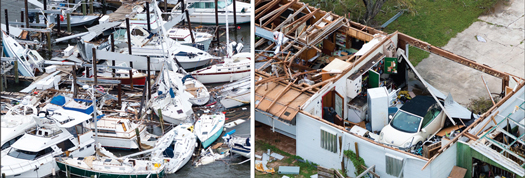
(481, 104)
(307, 168)
(433, 21)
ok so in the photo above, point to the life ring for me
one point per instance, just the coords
(61, 18)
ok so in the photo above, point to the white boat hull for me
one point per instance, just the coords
(189, 65)
(228, 102)
(221, 77)
(206, 43)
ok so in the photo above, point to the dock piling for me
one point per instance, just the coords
(95, 65)
(189, 27)
(161, 121)
(131, 74)
(26, 13)
(183, 8)
(113, 71)
(217, 22)
(91, 7)
(104, 7)
(68, 18)
(75, 87)
(22, 18)
(58, 24)
(129, 34)
(16, 71)
(84, 7)
(137, 134)
(148, 78)
(165, 8)
(119, 95)
(45, 14)
(148, 16)
(49, 41)
(234, 16)
(6, 21)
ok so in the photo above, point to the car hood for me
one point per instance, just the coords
(392, 136)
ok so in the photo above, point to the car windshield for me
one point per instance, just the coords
(406, 122)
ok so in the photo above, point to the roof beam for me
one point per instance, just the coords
(300, 20)
(290, 17)
(265, 9)
(451, 56)
(276, 12)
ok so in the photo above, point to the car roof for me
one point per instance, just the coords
(418, 105)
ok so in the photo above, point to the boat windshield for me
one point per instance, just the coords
(406, 122)
(29, 155)
(222, 4)
(210, 5)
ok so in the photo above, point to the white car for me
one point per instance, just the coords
(415, 121)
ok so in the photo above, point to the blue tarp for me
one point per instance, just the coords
(58, 100)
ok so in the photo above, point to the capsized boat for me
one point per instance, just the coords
(196, 91)
(28, 60)
(175, 107)
(208, 156)
(180, 148)
(239, 145)
(16, 121)
(235, 94)
(58, 133)
(232, 69)
(209, 127)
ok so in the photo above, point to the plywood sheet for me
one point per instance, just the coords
(337, 64)
(286, 106)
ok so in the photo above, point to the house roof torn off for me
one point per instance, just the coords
(316, 69)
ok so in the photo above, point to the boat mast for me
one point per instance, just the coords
(227, 32)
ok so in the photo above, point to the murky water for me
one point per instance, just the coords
(216, 169)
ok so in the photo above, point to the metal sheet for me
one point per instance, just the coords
(96, 30)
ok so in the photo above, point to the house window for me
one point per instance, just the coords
(329, 141)
(394, 165)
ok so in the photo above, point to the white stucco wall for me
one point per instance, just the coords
(308, 142)
(308, 147)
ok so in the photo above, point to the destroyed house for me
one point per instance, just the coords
(336, 85)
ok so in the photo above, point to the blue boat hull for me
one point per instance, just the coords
(212, 139)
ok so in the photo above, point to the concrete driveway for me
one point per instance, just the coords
(503, 50)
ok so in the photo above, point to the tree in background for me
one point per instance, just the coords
(372, 8)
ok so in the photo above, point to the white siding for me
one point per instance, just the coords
(443, 164)
(288, 130)
(308, 147)
(375, 155)
(308, 142)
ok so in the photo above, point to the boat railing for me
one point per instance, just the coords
(30, 164)
(42, 133)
